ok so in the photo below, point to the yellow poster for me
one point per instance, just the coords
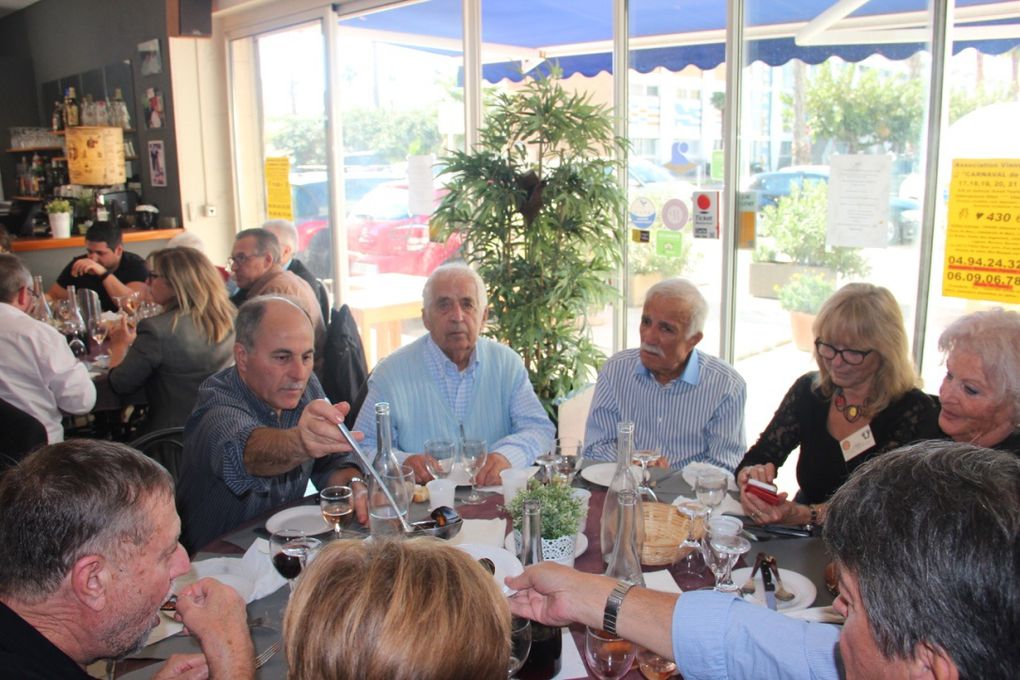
(278, 206)
(983, 231)
(95, 155)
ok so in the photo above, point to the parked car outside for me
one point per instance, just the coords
(904, 213)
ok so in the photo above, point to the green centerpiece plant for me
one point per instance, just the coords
(561, 510)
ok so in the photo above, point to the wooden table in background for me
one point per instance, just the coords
(380, 303)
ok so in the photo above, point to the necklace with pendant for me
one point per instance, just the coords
(851, 412)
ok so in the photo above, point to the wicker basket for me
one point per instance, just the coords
(665, 529)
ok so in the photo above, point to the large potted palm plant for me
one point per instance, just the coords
(538, 206)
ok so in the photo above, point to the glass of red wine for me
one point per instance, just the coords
(290, 550)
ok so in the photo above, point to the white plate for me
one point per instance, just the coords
(579, 546)
(506, 563)
(691, 470)
(602, 473)
(803, 589)
(306, 518)
(227, 570)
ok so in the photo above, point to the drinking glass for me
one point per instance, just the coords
(644, 457)
(520, 643)
(129, 305)
(547, 460)
(689, 550)
(335, 503)
(609, 657)
(291, 550)
(440, 457)
(655, 667)
(98, 329)
(382, 518)
(568, 460)
(721, 553)
(473, 454)
(710, 488)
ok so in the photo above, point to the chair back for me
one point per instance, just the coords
(165, 447)
(23, 433)
(345, 370)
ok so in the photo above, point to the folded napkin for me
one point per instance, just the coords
(661, 580)
(484, 531)
(691, 470)
(729, 505)
(571, 664)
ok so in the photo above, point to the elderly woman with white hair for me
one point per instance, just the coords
(980, 395)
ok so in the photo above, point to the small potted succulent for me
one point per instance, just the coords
(561, 513)
(59, 212)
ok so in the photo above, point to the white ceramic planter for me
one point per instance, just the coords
(559, 550)
(60, 225)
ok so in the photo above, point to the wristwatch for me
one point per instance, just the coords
(102, 277)
(613, 603)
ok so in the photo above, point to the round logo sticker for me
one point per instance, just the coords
(642, 213)
(675, 214)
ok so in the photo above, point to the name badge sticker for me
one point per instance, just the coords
(857, 443)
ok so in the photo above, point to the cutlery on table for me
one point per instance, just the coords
(770, 587)
(782, 594)
(268, 654)
(748, 587)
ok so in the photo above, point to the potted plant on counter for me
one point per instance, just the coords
(59, 212)
(803, 296)
(561, 513)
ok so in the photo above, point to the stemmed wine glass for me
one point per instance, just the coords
(609, 657)
(473, 454)
(710, 488)
(98, 330)
(568, 459)
(520, 643)
(290, 550)
(547, 460)
(721, 553)
(644, 457)
(335, 503)
(439, 457)
(689, 549)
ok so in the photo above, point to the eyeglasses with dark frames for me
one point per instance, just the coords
(241, 258)
(854, 357)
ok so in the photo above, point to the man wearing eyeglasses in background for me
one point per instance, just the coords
(105, 268)
(255, 264)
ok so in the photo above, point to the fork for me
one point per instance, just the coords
(268, 654)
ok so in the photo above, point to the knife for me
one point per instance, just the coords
(770, 587)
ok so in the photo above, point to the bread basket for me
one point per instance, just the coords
(665, 530)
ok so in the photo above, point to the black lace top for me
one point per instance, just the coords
(821, 469)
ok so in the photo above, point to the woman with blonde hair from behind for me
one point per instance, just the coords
(396, 610)
(171, 354)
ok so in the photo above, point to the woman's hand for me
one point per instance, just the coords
(122, 335)
(763, 473)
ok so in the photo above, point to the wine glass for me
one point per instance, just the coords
(290, 550)
(609, 657)
(547, 460)
(335, 503)
(439, 457)
(689, 549)
(721, 553)
(473, 454)
(98, 330)
(520, 643)
(568, 459)
(644, 457)
(655, 667)
(710, 488)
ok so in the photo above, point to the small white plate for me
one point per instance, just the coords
(226, 570)
(506, 563)
(803, 589)
(306, 518)
(602, 473)
(579, 546)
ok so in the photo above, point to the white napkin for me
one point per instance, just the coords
(691, 470)
(571, 664)
(261, 570)
(167, 627)
(661, 580)
(498, 488)
(729, 504)
(485, 531)
(817, 614)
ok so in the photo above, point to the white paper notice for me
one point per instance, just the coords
(420, 193)
(859, 201)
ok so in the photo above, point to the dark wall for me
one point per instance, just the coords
(55, 39)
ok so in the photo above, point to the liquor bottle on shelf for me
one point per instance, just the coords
(71, 111)
(120, 117)
(546, 653)
(57, 119)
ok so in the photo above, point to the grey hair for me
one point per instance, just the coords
(454, 269)
(14, 276)
(284, 231)
(688, 294)
(930, 533)
(250, 315)
(187, 239)
(68, 500)
(265, 242)
(994, 337)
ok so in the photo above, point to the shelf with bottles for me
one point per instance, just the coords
(33, 149)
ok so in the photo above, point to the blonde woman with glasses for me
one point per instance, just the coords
(863, 400)
(171, 353)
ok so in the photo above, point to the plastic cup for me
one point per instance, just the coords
(585, 496)
(441, 493)
(514, 480)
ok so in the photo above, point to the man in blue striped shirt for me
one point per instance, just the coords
(684, 403)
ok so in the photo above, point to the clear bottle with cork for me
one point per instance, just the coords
(623, 480)
(545, 658)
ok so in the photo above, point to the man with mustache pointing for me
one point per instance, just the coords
(685, 403)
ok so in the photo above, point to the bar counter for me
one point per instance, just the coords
(32, 243)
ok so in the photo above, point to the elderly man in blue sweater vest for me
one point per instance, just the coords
(452, 383)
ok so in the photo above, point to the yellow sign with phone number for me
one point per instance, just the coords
(983, 231)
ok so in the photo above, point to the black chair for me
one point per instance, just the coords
(23, 433)
(163, 446)
(345, 370)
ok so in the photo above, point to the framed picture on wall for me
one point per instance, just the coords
(155, 117)
(157, 164)
(152, 62)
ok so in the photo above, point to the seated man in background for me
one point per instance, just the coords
(38, 372)
(90, 552)
(286, 234)
(105, 268)
(925, 539)
(685, 403)
(255, 263)
(451, 384)
(261, 428)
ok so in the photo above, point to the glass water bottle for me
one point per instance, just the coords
(623, 480)
(544, 659)
(383, 518)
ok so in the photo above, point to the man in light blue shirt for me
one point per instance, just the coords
(925, 539)
(453, 384)
(686, 404)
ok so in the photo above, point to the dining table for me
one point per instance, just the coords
(804, 555)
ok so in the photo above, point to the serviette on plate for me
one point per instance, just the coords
(691, 470)
(484, 531)
(661, 580)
